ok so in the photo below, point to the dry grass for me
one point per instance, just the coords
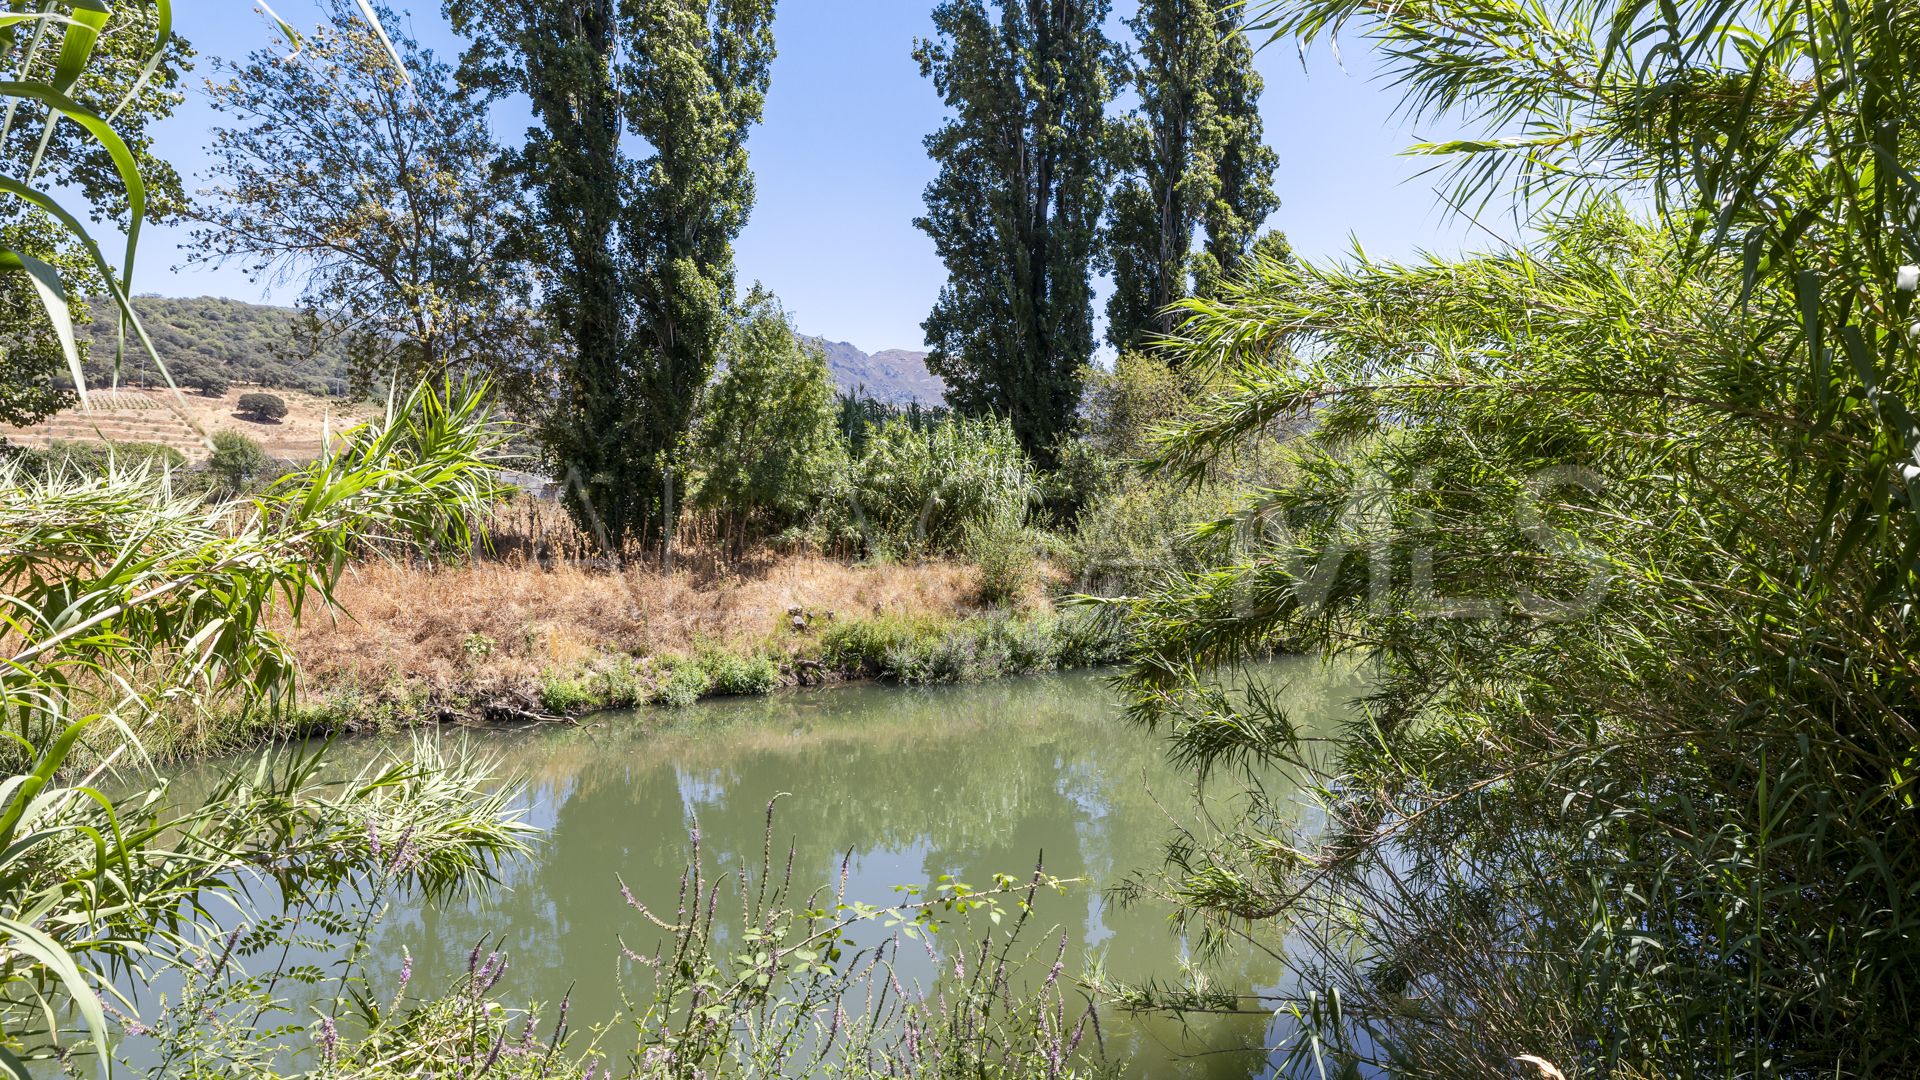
(414, 624)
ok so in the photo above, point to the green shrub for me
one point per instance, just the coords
(685, 684)
(564, 696)
(916, 489)
(1003, 551)
(863, 646)
(968, 651)
(237, 463)
(92, 459)
(740, 675)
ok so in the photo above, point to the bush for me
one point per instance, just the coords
(862, 647)
(237, 462)
(92, 459)
(1003, 550)
(262, 407)
(740, 675)
(916, 490)
(685, 684)
(564, 697)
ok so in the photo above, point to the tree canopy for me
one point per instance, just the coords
(636, 253)
(1015, 210)
(373, 188)
(1193, 158)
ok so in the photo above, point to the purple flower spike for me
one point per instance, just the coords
(329, 1040)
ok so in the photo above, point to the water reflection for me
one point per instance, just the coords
(903, 785)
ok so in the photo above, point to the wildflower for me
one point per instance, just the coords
(405, 855)
(129, 1024)
(406, 972)
(329, 1040)
(1059, 963)
(499, 1041)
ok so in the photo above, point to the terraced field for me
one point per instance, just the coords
(188, 422)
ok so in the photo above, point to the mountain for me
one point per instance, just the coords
(893, 376)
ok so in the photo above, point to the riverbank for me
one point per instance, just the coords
(515, 641)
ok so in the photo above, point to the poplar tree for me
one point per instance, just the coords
(639, 251)
(1194, 160)
(1015, 210)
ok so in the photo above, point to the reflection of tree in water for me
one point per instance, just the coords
(964, 781)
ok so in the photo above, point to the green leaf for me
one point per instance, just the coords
(34, 944)
(124, 162)
(53, 296)
(83, 32)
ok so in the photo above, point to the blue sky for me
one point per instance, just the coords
(841, 168)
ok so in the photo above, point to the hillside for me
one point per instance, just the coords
(253, 344)
(210, 335)
(893, 376)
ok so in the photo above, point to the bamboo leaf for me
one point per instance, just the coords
(124, 162)
(83, 32)
(53, 297)
(36, 945)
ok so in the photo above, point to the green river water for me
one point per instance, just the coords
(905, 784)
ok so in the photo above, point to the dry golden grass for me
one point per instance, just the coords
(411, 623)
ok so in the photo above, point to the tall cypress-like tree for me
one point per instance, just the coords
(1195, 160)
(1015, 211)
(640, 252)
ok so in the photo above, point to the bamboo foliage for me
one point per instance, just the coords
(116, 598)
(1625, 520)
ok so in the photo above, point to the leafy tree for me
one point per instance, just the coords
(236, 462)
(34, 382)
(373, 187)
(43, 154)
(263, 406)
(1195, 160)
(768, 443)
(1015, 210)
(210, 383)
(638, 252)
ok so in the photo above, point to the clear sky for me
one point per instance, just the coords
(841, 168)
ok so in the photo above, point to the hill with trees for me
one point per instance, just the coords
(211, 341)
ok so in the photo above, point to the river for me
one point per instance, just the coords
(904, 785)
